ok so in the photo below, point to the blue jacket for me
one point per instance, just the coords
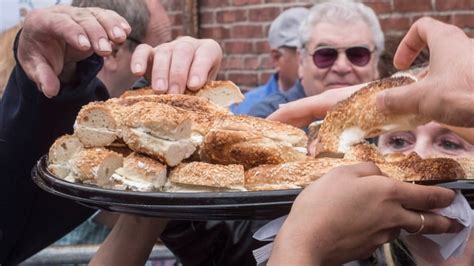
(256, 95)
(271, 103)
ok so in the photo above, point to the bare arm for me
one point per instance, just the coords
(130, 241)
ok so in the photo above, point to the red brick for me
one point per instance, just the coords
(222, 76)
(470, 34)
(238, 47)
(454, 4)
(213, 3)
(251, 63)
(444, 18)
(243, 79)
(379, 6)
(214, 32)
(395, 23)
(245, 2)
(412, 5)
(464, 20)
(176, 19)
(232, 62)
(176, 32)
(207, 17)
(266, 63)
(231, 16)
(246, 31)
(264, 14)
(262, 47)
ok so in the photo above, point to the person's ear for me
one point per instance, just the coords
(275, 56)
(110, 62)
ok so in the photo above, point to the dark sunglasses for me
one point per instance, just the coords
(324, 57)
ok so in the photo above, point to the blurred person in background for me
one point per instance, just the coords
(7, 61)
(341, 45)
(283, 40)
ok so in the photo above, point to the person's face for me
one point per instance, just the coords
(430, 140)
(285, 60)
(342, 72)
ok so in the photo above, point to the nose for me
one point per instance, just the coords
(423, 149)
(342, 66)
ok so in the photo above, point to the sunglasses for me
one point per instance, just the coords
(325, 56)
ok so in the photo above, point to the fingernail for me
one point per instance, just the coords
(160, 85)
(194, 82)
(104, 45)
(44, 92)
(125, 26)
(137, 68)
(83, 41)
(118, 33)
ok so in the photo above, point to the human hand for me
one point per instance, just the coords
(183, 63)
(55, 38)
(351, 211)
(446, 93)
(302, 112)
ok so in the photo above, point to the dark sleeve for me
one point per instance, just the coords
(267, 106)
(31, 218)
(200, 243)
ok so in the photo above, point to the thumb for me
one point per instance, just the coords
(401, 100)
(46, 80)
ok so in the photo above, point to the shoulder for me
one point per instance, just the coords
(268, 105)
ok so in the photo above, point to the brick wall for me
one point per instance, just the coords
(241, 27)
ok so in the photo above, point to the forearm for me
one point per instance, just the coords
(130, 241)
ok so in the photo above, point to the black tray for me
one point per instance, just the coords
(259, 205)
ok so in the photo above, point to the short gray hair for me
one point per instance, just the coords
(135, 12)
(342, 10)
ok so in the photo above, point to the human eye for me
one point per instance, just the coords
(450, 144)
(400, 142)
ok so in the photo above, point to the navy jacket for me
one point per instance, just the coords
(31, 218)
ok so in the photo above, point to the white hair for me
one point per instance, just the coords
(337, 11)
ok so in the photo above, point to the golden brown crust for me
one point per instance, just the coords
(359, 111)
(143, 165)
(85, 165)
(301, 173)
(271, 129)
(246, 148)
(210, 175)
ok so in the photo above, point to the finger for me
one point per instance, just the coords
(182, 57)
(360, 170)
(430, 224)
(412, 44)
(112, 23)
(161, 67)
(402, 100)
(64, 28)
(207, 59)
(140, 57)
(46, 79)
(425, 198)
(94, 30)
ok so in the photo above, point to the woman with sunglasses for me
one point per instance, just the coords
(341, 46)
